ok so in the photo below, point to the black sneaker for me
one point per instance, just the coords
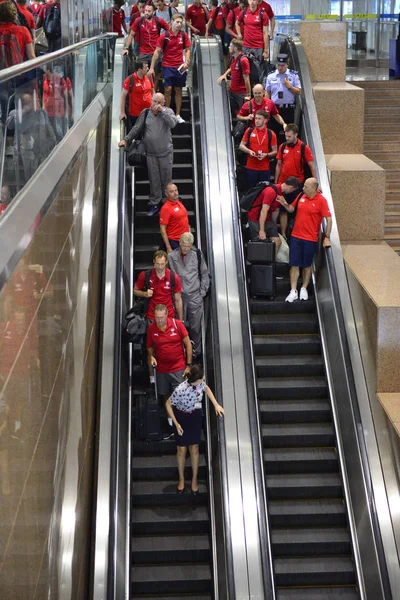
(153, 210)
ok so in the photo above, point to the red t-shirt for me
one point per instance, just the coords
(118, 17)
(28, 16)
(253, 28)
(141, 94)
(309, 215)
(218, 18)
(238, 85)
(45, 7)
(267, 196)
(173, 48)
(134, 14)
(291, 161)
(161, 291)
(266, 104)
(3, 207)
(35, 8)
(148, 34)
(175, 216)
(21, 33)
(197, 15)
(54, 90)
(268, 9)
(258, 141)
(168, 346)
(232, 18)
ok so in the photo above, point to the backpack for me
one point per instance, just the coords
(22, 20)
(10, 51)
(52, 22)
(219, 9)
(167, 39)
(247, 200)
(240, 128)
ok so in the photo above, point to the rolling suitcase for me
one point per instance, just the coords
(261, 252)
(263, 280)
(147, 416)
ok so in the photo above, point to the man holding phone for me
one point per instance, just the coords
(282, 86)
(173, 43)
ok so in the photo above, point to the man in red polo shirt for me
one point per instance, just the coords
(173, 218)
(240, 86)
(234, 12)
(174, 44)
(140, 89)
(261, 225)
(145, 30)
(159, 290)
(169, 349)
(271, 16)
(290, 161)
(260, 145)
(255, 22)
(259, 102)
(137, 10)
(312, 208)
(118, 19)
(196, 17)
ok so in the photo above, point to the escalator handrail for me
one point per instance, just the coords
(39, 61)
(334, 261)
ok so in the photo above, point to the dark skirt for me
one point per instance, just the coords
(191, 424)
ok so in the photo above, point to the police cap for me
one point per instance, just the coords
(281, 59)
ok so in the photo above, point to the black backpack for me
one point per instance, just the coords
(247, 200)
(52, 22)
(21, 17)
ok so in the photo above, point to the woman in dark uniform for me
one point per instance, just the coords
(185, 409)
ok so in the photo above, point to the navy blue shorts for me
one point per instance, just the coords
(301, 252)
(172, 77)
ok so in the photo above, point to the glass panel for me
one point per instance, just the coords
(40, 106)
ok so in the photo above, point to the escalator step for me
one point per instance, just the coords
(171, 579)
(185, 185)
(316, 513)
(331, 593)
(286, 344)
(299, 411)
(310, 541)
(279, 306)
(298, 435)
(314, 571)
(289, 366)
(162, 493)
(295, 460)
(275, 324)
(163, 596)
(181, 141)
(170, 549)
(292, 387)
(157, 448)
(172, 519)
(304, 486)
(145, 469)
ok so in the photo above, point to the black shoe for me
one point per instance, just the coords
(168, 436)
(153, 210)
(195, 493)
(180, 492)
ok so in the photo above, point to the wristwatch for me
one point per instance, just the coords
(189, 364)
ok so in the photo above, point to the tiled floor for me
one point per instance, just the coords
(367, 74)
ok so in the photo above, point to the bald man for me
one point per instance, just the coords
(259, 102)
(311, 208)
(155, 124)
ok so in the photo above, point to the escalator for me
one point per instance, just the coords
(170, 533)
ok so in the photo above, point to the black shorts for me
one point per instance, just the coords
(236, 101)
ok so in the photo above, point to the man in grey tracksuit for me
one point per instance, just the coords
(156, 125)
(185, 262)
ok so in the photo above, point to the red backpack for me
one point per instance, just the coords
(10, 50)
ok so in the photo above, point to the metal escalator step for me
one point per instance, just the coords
(185, 185)
(314, 571)
(158, 448)
(285, 323)
(317, 513)
(173, 597)
(295, 411)
(171, 579)
(310, 541)
(161, 493)
(331, 593)
(289, 366)
(182, 140)
(286, 344)
(279, 306)
(298, 435)
(184, 197)
(304, 486)
(148, 468)
(170, 549)
(295, 460)
(292, 387)
(171, 519)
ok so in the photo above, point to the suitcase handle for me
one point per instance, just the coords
(155, 381)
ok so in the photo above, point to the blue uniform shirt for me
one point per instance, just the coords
(274, 85)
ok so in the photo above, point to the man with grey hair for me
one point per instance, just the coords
(188, 262)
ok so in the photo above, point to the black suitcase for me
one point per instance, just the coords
(261, 252)
(263, 280)
(147, 416)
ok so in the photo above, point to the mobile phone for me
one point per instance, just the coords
(182, 68)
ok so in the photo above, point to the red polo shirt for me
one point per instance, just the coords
(175, 216)
(232, 18)
(218, 18)
(267, 196)
(198, 17)
(140, 97)
(173, 48)
(161, 291)
(28, 16)
(253, 28)
(258, 141)
(268, 9)
(237, 81)
(168, 346)
(291, 161)
(148, 34)
(21, 33)
(266, 104)
(309, 215)
(117, 20)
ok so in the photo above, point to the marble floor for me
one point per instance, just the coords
(363, 73)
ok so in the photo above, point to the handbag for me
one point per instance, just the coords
(137, 154)
(282, 255)
(134, 325)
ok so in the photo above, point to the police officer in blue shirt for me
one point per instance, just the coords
(282, 86)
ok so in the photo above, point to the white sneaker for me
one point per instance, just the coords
(180, 120)
(292, 296)
(303, 294)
